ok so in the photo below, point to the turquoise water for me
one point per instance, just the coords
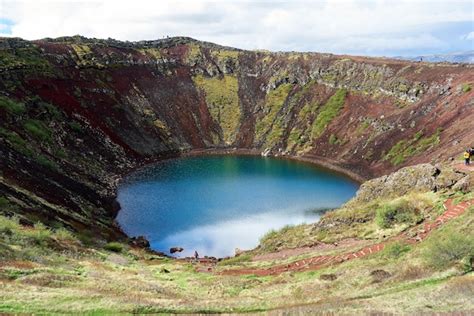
(214, 204)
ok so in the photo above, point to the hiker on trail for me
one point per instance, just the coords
(196, 255)
(467, 157)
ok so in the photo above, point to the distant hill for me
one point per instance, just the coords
(458, 57)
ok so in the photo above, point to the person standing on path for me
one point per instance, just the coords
(467, 157)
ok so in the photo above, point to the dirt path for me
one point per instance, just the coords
(417, 234)
(462, 167)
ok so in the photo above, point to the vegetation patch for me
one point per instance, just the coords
(114, 247)
(328, 112)
(408, 148)
(43, 160)
(17, 142)
(466, 87)
(23, 57)
(395, 250)
(38, 130)
(400, 211)
(11, 106)
(223, 102)
(448, 247)
(273, 103)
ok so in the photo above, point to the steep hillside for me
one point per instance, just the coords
(78, 113)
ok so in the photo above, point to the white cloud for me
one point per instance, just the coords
(326, 25)
(469, 36)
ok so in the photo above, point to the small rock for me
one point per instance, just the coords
(328, 277)
(176, 249)
(164, 270)
(379, 275)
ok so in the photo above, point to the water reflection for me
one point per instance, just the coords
(221, 238)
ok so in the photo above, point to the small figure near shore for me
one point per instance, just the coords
(467, 157)
(196, 255)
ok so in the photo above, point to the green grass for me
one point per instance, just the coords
(450, 247)
(235, 260)
(329, 111)
(12, 106)
(397, 212)
(17, 142)
(75, 126)
(395, 250)
(114, 247)
(411, 147)
(466, 87)
(38, 130)
(43, 160)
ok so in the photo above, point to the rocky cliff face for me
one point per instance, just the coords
(77, 113)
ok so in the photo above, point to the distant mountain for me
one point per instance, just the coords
(458, 57)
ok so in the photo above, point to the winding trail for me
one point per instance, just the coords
(414, 235)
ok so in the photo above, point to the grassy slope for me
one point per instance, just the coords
(54, 271)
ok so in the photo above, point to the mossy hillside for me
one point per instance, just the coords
(194, 54)
(418, 144)
(329, 111)
(300, 133)
(223, 57)
(85, 56)
(368, 221)
(223, 102)
(28, 57)
(279, 127)
(273, 103)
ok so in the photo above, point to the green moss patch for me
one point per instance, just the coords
(329, 111)
(11, 106)
(408, 148)
(223, 102)
(38, 130)
(273, 103)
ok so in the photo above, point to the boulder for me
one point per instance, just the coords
(140, 241)
(463, 185)
(419, 178)
(238, 252)
(176, 249)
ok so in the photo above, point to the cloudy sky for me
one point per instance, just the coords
(364, 27)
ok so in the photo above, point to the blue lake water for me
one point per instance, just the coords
(214, 204)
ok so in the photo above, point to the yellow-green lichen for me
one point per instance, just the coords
(194, 53)
(162, 126)
(152, 52)
(223, 102)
